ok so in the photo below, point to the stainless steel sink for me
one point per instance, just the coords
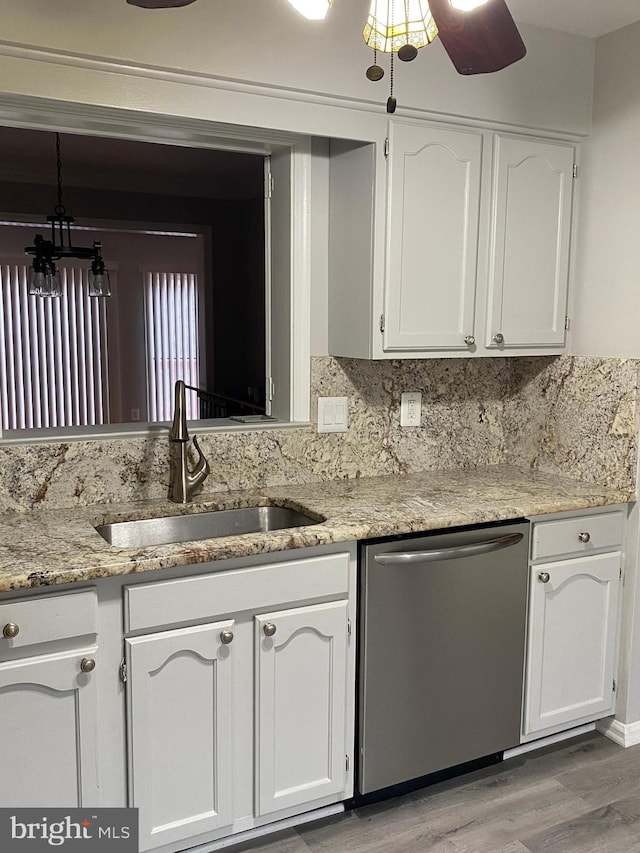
(147, 532)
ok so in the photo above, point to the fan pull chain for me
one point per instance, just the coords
(391, 101)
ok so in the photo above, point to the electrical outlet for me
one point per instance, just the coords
(135, 414)
(411, 409)
(333, 414)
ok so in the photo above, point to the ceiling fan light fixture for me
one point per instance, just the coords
(480, 40)
(391, 25)
(313, 10)
(160, 4)
(467, 5)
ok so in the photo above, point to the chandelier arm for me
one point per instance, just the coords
(60, 210)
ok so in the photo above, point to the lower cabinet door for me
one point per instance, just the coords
(48, 745)
(180, 686)
(301, 657)
(573, 618)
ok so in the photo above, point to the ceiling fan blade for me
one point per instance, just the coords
(480, 41)
(160, 4)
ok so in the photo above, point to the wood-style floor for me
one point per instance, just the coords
(581, 796)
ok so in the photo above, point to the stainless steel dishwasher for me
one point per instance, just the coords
(441, 651)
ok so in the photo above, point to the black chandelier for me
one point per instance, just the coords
(44, 276)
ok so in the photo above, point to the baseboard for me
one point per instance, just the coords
(268, 829)
(624, 734)
(541, 742)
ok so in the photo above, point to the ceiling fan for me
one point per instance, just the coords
(480, 36)
(160, 4)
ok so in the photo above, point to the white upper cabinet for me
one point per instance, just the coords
(477, 241)
(432, 237)
(530, 236)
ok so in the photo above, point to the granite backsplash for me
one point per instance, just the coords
(574, 416)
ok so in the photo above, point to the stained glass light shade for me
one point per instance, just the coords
(394, 23)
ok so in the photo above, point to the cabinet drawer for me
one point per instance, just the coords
(189, 599)
(580, 535)
(54, 617)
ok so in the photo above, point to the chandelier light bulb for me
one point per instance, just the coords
(52, 284)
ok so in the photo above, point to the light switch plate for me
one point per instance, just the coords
(410, 409)
(333, 414)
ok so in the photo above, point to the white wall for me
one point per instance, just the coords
(319, 343)
(606, 309)
(606, 298)
(267, 43)
(194, 62)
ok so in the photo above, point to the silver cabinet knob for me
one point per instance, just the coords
(469, 340)
(584, 537)
(544, 577)
(269, 629)
(226, 637)
(87, 664)
(10, 630)
(498, 338)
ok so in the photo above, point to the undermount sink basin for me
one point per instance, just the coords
(147, 532)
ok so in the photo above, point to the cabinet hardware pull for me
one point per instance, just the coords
(226, 637)
(10, 630)
(498, 338)
(469, 340)
(544, 577)
(87, 664)
(269, 629)
(584, 537)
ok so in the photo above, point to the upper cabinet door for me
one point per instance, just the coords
(530, 237)
(432, 237)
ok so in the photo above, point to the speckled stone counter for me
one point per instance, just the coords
(49, 547)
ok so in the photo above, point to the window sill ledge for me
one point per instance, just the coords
(108, 432)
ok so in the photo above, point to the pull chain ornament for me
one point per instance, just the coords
(402, 34)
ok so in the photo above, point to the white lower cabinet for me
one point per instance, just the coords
(180, 727)
(49, 672)
(573, 623)
(301, 672)
(246, 719)
(49, 748)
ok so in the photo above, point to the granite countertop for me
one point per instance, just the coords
(48, 547)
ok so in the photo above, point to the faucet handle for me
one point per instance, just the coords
(201, 470)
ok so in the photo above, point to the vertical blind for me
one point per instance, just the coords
(53, 353)
(171, 320)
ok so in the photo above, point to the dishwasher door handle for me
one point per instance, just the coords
(404, 558)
